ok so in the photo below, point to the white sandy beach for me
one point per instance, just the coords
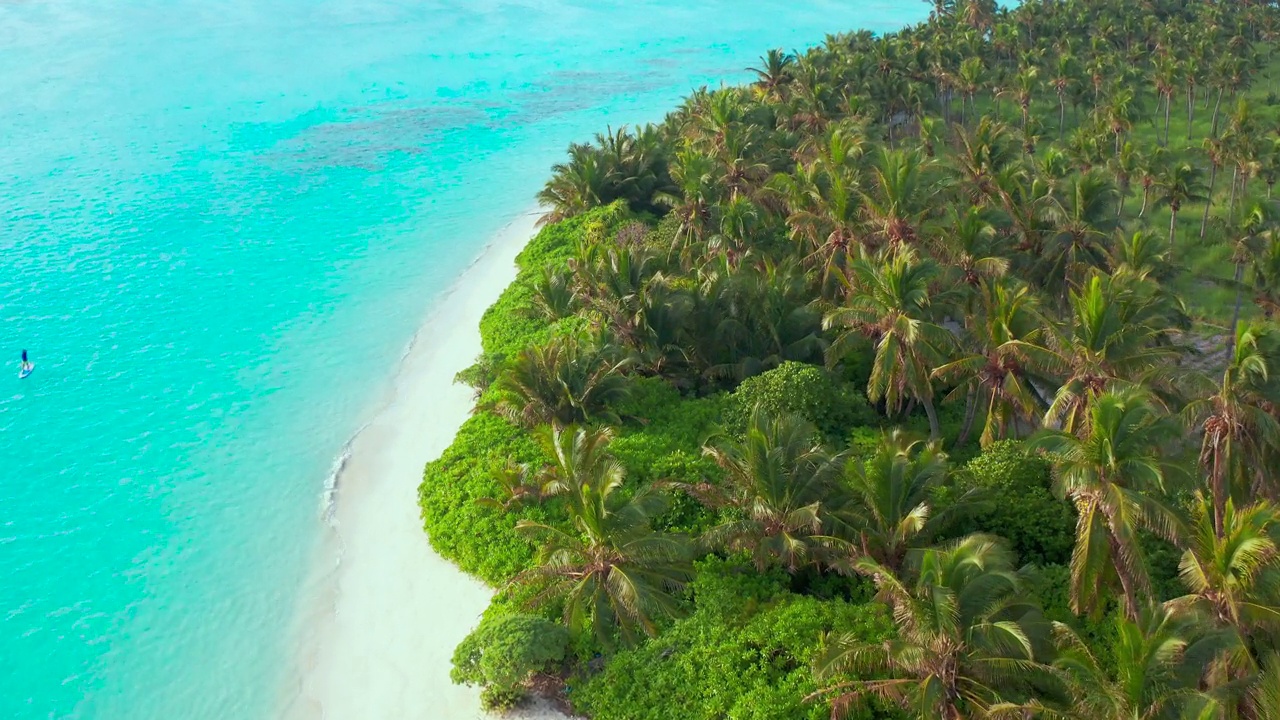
(387, 610)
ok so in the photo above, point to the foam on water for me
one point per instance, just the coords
(220, 225)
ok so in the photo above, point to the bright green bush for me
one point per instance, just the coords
(504, 652)
(834, 407)
(1021, 506)
(481, 540)
(744, 654)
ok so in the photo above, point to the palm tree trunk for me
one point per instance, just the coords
(1062, 116)
(1191, 109)
(1126, 582)
(1213, 132)
(970, 410)
(935, 432)
(1231, 204)
(1218, 480)
(1168, 101)
(1208, 200)
(1235, 313)
(1146, 193)
(1173, 228)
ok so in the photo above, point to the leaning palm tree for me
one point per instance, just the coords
(1115, 473)
(779, 484)
(1236, 427)
(613, 573)
(965, 633)
(890, 302)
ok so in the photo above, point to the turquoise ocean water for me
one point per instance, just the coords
(220, 224)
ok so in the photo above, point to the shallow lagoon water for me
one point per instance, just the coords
(220, 224)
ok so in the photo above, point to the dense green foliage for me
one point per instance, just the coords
(931, 375)
(504, 652)
(805, 390)
(744, 653)
(1019, 503)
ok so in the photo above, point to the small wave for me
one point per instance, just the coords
(329, 496)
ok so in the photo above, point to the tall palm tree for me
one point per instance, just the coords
(966, 632)
(773, 74)
(1084, 214)
(1237, 428)
(1001, 359)
(1119, 331)
(779, 482)
(611, 570)
(900, 196)
(1115, 473)
(890, 303)
(1217, 153)
(1256, 225)
(1181, 183)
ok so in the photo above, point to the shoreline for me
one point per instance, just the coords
(381, 612)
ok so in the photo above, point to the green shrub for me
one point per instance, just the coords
(504, 652)
(806, 390)
(745, 654)
(481, 540)
(1021, 506)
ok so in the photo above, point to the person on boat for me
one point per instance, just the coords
(26, 364)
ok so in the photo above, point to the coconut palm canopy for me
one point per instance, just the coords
(792, 383)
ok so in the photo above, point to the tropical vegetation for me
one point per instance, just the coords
(927, 375)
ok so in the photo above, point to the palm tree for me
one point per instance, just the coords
(889, 303)
(1231, 566)
(1002, 357)
(1115, 473)
(1265, 276)
(773, 73)
(1182, 183)
(1217, 153)
(1236, 427)
(1063, 78)
(575, 186)
(694, 201)
(1255, 227)
(611, 570)
(570, 379)
(779, 482)
(965, 633)
(1152, 673)
(900, 196)
(1119, 331)
(1084, 215)
(889, 507)
(1165, 75)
